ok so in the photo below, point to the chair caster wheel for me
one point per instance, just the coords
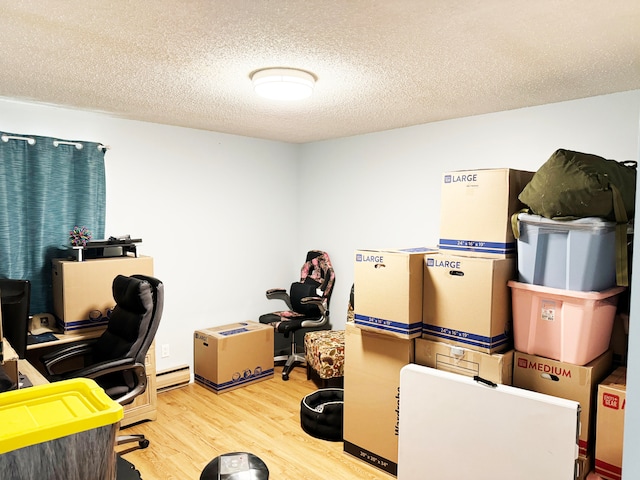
(285, 376)
(144, 443)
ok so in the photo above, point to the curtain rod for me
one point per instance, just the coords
(31, 141)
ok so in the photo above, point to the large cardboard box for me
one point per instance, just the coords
(371, 395)
(476, 208)
(497, 367)
(233, 356)
(612, 397)
(82, 291)
(566, 380)
(467, 301)
(388, 290)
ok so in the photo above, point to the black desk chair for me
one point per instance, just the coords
(308, 303)
(116, 359)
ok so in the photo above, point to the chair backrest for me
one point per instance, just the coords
(318, 271)
(134, 320)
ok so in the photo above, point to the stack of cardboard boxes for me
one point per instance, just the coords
(451, 308)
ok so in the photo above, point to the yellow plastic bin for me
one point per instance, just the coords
(62, 430)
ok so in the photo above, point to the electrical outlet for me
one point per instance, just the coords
(165, 350)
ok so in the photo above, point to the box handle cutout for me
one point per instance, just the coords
(379, 265)
(550, 376)
(456, 273)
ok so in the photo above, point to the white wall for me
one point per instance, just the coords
(215, 211)
(384, 188)
(222, 218)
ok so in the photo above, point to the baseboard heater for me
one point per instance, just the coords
(172, 378)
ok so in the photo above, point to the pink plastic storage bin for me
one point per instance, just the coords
(566, 325)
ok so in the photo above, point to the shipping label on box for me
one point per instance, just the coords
(388, 290)
(82, 291)
(371, 395)
(233, 356)
(476, 209)
(565, 380)
(467, 302)
(612, 396)
(497, 367)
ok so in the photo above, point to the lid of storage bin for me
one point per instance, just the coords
(569, 294)
(587, 223)
(46, 412)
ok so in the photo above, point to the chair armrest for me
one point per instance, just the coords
(324, 311)
(279, 294)
(119, 365)
(51, 359)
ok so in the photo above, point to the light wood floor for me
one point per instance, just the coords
(195, 425)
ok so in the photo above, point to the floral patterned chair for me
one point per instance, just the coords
(307, 302)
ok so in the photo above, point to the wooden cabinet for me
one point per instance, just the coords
(144, 406)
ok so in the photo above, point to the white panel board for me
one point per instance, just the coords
(453, 427)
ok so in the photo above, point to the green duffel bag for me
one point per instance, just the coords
(574, 185)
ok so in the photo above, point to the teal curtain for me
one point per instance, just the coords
(47, 187)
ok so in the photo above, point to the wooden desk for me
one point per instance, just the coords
(142, 408)
(67, 338)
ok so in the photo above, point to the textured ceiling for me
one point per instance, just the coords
(380, 64)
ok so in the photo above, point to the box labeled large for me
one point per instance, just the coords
(467, 301)
(612, 397)
(476, 208)
(233, 356)
(565, 380)
(82, 291)
(496, 367)
(572, 255)
(371, 386)
(569, 326)
(388, 286)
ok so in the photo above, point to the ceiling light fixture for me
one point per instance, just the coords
(283, 83)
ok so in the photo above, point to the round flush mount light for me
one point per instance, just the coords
(283, 83)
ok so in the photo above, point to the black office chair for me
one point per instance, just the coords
(308, 302)
(116, 359)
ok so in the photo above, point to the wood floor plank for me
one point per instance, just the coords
(195, 425)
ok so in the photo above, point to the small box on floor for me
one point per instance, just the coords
(233, 356)
(371, 394)
(565, 380)
(612, 396)
(388, 289)
(476, 209)
(467, 302)
(497, 367)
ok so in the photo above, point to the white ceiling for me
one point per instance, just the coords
(380, 64)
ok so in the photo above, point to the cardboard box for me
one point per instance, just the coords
(80, 288)
(497, 367)
(233, 356)
(371, 384)
(612, 396)
(388, 290)
(476, 208)
(565, 380)
(467, 301)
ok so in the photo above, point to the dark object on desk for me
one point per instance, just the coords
(116, 359)
(308, 303)
(6, 383)
(235, 466)
(15, 296)
(41, 338)
(113, 247)
(126, 470)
